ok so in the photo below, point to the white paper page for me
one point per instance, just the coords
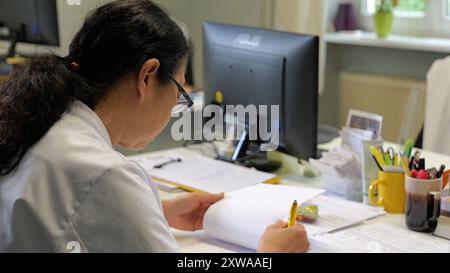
(354, 141)
(324, 168)
(336, 213)
(202, 173)
(242, 217)
(379, 238)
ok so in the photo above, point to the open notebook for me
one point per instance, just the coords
(242, 217)
(194, 172)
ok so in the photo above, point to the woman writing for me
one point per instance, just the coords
(61, 118)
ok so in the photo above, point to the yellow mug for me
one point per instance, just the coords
(391, 192)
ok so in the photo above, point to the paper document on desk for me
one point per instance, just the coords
(338, 163)
(353, 139)
(192, 171)
(341, 172)
(242, 217)
(336, 213)
(361, 126)
(378, 238)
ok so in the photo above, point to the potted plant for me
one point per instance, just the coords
(384, 17)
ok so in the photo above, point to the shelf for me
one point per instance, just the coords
(359, 38)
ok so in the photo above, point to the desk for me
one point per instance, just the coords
(199, 242)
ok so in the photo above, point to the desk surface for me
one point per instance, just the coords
(199, 242)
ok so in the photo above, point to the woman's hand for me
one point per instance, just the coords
(279, 238)
(187, 211)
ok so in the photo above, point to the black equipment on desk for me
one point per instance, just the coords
(29, 21)
(252, 66)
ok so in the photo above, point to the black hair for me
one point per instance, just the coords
(115, 40)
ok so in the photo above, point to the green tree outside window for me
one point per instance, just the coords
(412, 5)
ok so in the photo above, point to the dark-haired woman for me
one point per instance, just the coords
(62, 185)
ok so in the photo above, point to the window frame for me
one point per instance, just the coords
(446, 9)
(439, 25)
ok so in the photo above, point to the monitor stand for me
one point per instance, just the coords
(249, 154)
(16, 35)
(261, 163)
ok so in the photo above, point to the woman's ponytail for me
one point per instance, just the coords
(115, 40)
(36, 95)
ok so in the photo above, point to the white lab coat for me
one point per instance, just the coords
(437, 117)
(73, 192)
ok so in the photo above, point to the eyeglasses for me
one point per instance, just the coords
(184, 101)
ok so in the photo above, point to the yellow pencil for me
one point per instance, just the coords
(378, 156)
(405, 166)
(293, 214)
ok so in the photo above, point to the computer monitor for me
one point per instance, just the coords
(263, 67)
(29, 21)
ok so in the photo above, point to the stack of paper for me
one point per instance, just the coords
(338, 163)
(361, 126)
(341, 168)
(242, 217)
(341, 171)
(192, 171)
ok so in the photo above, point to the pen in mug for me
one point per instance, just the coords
(405, 166)
(387, 159)
(378, 156)
(441, 171)
(408, 148)
(378, 164)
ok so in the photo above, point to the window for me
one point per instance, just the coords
(412, 6)
(413, 17)
(405, 8)
(448, 8)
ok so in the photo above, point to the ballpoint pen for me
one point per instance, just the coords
(293, 214)
(160, 166)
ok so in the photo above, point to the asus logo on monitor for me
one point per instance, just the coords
(74, 2)
(248, 40)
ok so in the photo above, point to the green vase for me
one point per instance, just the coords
(383, 23)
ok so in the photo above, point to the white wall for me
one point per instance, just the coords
(256, 13)
(193, 13)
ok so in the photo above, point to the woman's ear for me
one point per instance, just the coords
(148, 75)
